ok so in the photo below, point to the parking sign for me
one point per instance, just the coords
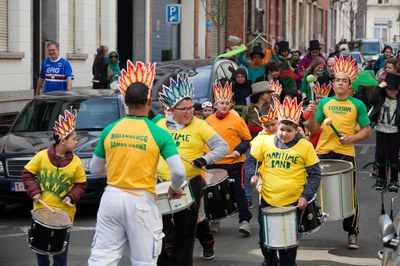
(173, 15)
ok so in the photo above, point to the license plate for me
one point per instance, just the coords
(18, 187)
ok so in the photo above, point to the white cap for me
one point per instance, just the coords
(343, 47)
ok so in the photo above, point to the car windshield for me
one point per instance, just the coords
(92, 114)
(370, 48)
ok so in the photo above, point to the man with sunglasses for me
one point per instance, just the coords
(190, 134)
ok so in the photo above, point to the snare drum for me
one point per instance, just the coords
(167, 206)
(336, 191)
(279, 227)
(311, 218)
(220, 205)
(49, 231)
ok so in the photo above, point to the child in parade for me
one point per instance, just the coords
(190, 134)
(386, 116)
(207, 109)
(56, 177)
(296, 183)
(234, 131)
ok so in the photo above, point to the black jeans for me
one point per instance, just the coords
(387, 148)
(180, 230)
(350, 224)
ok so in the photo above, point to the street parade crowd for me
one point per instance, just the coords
(284, 125)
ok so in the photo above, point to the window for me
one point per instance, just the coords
(3, 25)
(71, 26)
(383, 2)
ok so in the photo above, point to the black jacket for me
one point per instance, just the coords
(377, 99)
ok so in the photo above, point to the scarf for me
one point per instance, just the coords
(114, 66)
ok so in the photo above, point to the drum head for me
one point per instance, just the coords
(332, 167)
(214, 176)
(45, 216)
(162, 188)
(277, 210)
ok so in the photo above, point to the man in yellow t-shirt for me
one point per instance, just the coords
(129, 150)
(190, 135)
(346, 112)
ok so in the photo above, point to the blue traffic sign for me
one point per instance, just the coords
(173, 15)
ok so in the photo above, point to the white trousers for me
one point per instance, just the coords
(125, 218)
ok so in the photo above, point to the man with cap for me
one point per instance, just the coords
(256, 67)
(345, 112)
(386, 116)
(315, 50)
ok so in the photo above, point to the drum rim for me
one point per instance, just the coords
(219, 182)
(185, 183)
(52, 226)
(223, 218)
(344, 171)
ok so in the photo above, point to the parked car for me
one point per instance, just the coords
(202, 72)
(32, 131)
(367, 47)
(359, 58)
(395, 46)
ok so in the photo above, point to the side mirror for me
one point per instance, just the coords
(386, 228)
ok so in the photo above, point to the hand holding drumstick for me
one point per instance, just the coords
(174, 195)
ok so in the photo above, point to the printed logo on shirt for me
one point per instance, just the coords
(124, 143)
(55, 182)
(179, 137)
(342, 110)
(281, 159)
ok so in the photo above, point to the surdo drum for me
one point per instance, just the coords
(167, 206)
(336, 191)
(280, 227)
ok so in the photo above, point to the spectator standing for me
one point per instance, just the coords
(387, 53)
(113, 69)
(56, 73)
(316, 69)
(99, 68)
(255, 67)
(328, 78)
(241, 88)
(315, 51)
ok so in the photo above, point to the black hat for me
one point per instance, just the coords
(257, 50)
(392, 81)
(284, 46)
(314, 45)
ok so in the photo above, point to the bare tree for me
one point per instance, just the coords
(352, 12)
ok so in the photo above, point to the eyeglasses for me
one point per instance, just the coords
(113, 56)
(185, 110)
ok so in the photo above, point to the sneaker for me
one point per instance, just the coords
(214, 227)
(245, 228)
(208, 252)
(393, 187)
(249, 204)
(380, 185)
(352, 242)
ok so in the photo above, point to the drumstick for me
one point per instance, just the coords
(310, 80)
(328, 122)
(191, 163)
(229, 156)
(47, 206)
